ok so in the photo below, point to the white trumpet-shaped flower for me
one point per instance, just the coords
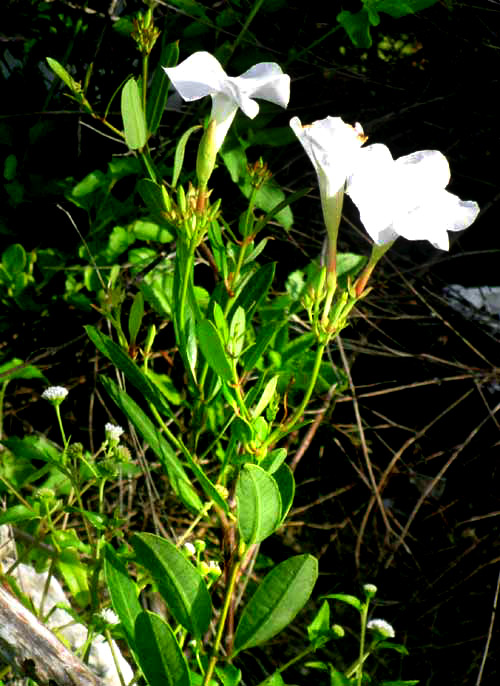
(330, 144)
(407, 197)
(201, 74)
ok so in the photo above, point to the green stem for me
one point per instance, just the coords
(222, 621)
(281, 430)
(61, 428)
(249, 20)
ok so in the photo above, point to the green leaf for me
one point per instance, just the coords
(159, 655)
(286, 485)
(123, 592)
(74, 573)
(17, 369)
(252, 355)
(274, 460)
(179, 480)
(346, 598)
(135, 316)
(133, 373)
(259, 504)
(357, 27)
(64, 75)
(18, 513)
(134, 122)
(398, 8)
(237, 333)
(318, 631)
(14, 259)
(254, 291)
(276, 602)
(212, 348)
(266, 397)
(274, 680)
(152, 231)
(179, 582)
(179, 153)
(158, 94)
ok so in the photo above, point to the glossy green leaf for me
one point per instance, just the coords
(259, 504)
(286, 485)
(266, 397)
(123, 592)
(274, 460)
(133, 373)
(254, 291)
(213, 350)
(346, 598)
(252, 355)
(134, 121)
(237, 333)
(64, 75)
(179, 153)
(179, 582)
(179, 480)
(158, 93)
(159, 655)
(276, 602)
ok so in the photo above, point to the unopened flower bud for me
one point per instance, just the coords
(207, 154)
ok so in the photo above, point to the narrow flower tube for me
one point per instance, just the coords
(407, 197)
(201, 74)
(330, 144)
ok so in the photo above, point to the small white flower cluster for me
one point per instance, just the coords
(382, 627)
(55, 393)
(113, 432)
(109, 616)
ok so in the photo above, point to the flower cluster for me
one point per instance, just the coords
(55, 394)
(403, 197)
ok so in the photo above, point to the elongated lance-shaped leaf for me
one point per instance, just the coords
(276, 602)
(259, 504)
(254, 291)
(179, 480)
(179, 153)
(123, 592)
(179, 582)
(64, 75)
(212, 348)
(134, 121)
(158, 652)
(132, 372)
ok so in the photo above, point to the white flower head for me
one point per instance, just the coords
(381, 627)
(113, 432)
(201, 74)
(109, 616)
(190, 549)
(407, 197)
(331, 145)
(55, 394)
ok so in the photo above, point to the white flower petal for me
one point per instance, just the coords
(267, 82)
(201, 74)
(407, 197)
(331, 145)
(197, 76)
